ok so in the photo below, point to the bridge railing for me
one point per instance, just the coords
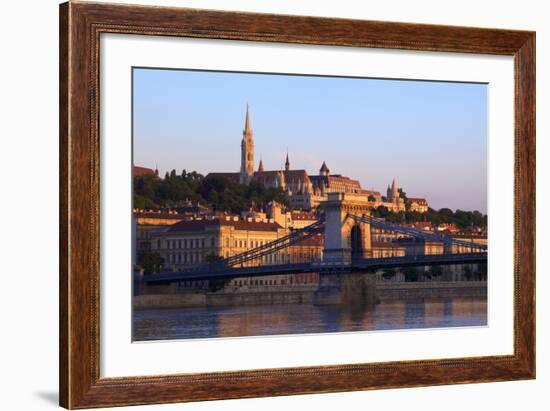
(272, 247)
(417, 233)
(296, 236)
(319, 267)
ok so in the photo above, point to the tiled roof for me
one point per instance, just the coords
(240, 224)
(287, 173)
(342, 179)
(336, 179)
(417, 200)
(163, 216)
(423, 224)
(303, 215)
(143, 171)
(370, 192)
(316, 240)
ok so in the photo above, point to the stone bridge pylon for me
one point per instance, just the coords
(346, 238)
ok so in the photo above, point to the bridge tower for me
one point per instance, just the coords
(344, 237)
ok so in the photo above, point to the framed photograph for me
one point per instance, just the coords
(260, 205)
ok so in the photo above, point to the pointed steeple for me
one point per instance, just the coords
(261, 167)
(324, 171)
(247, 151)
(287, 162)
(394, 190)
(247, 129)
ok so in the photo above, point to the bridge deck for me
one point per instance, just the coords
(208, 272)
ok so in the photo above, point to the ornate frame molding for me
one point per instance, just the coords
(80, 27)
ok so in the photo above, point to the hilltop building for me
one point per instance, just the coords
(144, 171)
(306, 191)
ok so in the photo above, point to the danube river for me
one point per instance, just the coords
(250, 320)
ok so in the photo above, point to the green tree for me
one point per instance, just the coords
(436, 271)
(462, 219)
(150, 262)
(410, 273)
(213, 258)
(380, 212)
(388, 273)
(217, 284)
(481, 273)
(468, 273)
(402, 194)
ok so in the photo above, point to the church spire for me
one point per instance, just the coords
(247, 152)
(261, 166)
(394, 190)
(287, 162)
(324, 171)
(247, 129)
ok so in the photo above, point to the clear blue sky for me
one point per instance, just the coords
(430, 136)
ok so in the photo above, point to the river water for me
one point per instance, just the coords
(256, 320)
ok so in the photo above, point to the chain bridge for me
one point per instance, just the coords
(347, 228)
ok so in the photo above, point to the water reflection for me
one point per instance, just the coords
(248, 320)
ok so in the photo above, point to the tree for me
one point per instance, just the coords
(468, 273)
(380, 212)
(213, 258)
(481, 274)
(411, 274)
(218, 284)
(436, 271)
(150, 262)
(462, 219)
(402, 194)
(388, 273)
(446, 214)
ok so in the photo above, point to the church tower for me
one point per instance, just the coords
(287, 163)
(247, 152)
(393, 194)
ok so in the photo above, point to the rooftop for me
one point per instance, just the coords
(248, 224)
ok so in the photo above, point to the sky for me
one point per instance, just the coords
(430, 136)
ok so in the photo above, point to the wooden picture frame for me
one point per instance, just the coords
(80, 27)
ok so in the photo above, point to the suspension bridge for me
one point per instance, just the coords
(347, 227)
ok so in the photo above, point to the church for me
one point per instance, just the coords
(303, 191)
